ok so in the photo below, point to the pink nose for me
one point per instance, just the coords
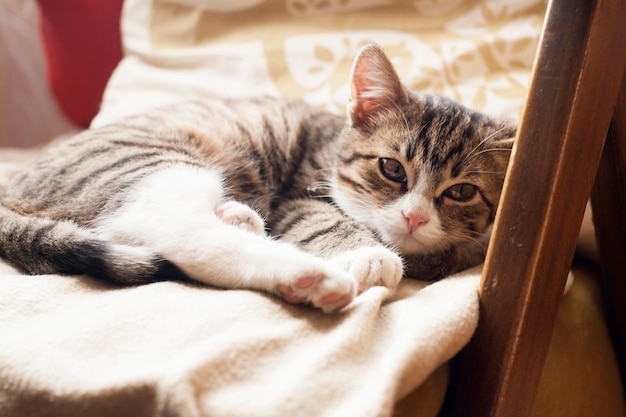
(415, 220)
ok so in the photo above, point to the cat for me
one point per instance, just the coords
(407, 184)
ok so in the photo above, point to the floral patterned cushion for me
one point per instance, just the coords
(479, 52)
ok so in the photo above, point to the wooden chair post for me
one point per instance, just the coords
(608, 201)
(574, 88)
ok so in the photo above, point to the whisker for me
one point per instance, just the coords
(322, 170)
(402, 122)
(482, 142)
(487, 150)
(484, 172)
(424, 127)
(320, 189)
(407, 128)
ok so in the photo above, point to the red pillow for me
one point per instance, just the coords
(83, 45)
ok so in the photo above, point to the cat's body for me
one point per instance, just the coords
(168, 194)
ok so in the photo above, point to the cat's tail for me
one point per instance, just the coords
(44, 246)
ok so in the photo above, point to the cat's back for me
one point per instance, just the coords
(88, 173)
(259, 140)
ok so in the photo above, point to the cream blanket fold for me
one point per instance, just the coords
(75, 347)
(72, 346)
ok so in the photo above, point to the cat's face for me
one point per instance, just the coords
(422, 171)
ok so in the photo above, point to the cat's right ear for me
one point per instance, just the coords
(375, 87)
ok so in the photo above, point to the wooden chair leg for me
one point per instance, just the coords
(608, 201)
(573, 92)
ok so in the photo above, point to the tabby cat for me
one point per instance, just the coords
(189, 191)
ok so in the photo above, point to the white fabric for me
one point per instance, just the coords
(72, 346)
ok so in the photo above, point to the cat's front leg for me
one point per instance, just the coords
(323, 230)
(371, 266)
(180, 214)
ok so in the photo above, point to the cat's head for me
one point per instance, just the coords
(423, 171)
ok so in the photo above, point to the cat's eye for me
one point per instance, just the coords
(392, 170)
(461, 192)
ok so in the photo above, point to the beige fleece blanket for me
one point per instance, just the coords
(72, 346)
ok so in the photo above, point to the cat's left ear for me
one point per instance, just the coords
(374, 87)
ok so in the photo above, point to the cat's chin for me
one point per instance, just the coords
(410, 245)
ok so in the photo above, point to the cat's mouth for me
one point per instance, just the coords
(422, 240)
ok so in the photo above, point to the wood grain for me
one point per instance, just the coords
(572, 95)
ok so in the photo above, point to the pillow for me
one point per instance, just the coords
(477, 52)
(82, 44)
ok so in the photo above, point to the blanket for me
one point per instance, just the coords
(74, 346)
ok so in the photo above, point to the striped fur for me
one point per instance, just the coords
(349, 195)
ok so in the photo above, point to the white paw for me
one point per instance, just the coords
(242, 216)
(323, 286)
(372, 266)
